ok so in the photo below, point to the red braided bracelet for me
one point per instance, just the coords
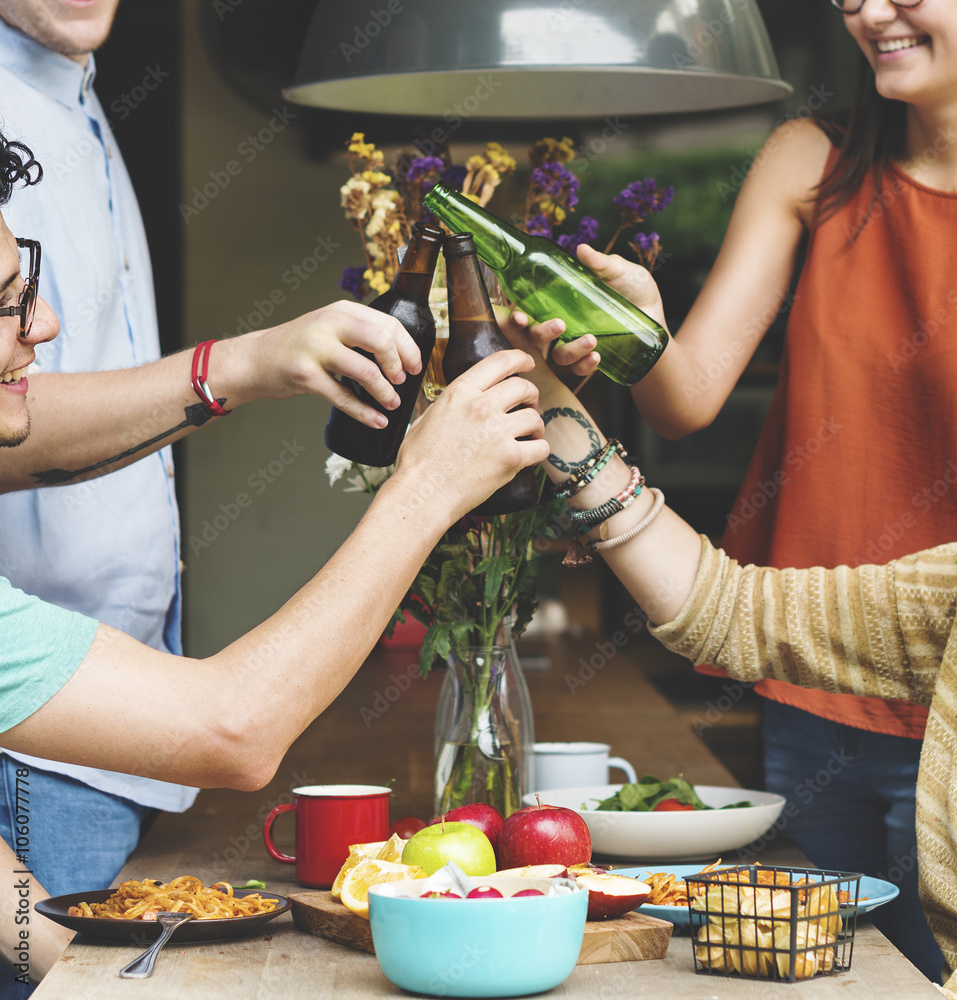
(201, 357)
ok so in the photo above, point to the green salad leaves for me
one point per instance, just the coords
(648, 791)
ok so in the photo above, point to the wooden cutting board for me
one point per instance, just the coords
(634, 937)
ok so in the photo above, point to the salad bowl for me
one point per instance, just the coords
(671, 836)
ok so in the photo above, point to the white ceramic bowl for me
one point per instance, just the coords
(671, 836)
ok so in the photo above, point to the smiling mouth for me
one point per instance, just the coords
(897, 44)
(14, 375)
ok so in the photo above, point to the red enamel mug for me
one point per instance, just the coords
(329, 818)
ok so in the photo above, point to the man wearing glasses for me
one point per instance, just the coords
(74, 689)
(66, 545)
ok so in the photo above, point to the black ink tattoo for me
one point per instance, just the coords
(582, 421)
(196, 415)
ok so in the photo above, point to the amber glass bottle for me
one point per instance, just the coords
(408, 301)
(473, 335)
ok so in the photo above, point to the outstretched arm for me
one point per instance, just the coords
(228, 720)
(86, 425)
(874, 630)
(745, 290)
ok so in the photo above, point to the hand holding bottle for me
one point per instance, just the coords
(627, 278)
(477, 436)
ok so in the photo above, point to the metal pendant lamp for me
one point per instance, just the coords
(499, 59)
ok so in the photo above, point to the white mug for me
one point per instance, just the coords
(573, 765)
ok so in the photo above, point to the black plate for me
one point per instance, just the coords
(141, 932)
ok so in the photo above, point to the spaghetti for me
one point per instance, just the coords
(135, 900)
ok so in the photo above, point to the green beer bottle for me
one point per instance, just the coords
(547, 282)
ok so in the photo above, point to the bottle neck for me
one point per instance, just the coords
(468, 296)
(496, 241)
(418, 266)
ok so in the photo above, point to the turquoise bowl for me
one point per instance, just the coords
(478, 947)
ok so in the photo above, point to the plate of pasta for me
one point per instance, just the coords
(127, 913)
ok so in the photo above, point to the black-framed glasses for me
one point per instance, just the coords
(853, 6)
(26, 306)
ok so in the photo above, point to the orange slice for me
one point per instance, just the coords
(369, 872)
(392, 849)
(356, 853)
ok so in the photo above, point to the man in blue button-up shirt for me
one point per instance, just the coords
(110, 548)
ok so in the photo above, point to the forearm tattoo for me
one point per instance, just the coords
(195, 416)
(570, 465)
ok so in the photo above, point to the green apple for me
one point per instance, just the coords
(462, 843)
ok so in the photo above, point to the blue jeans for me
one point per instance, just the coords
(854, 791)
(78, 838)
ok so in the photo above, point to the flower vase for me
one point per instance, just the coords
(483, 729)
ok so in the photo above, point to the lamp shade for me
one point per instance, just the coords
(535, 58)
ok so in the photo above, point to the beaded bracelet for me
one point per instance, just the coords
(583, 520)
(586, 472)
(627, 536)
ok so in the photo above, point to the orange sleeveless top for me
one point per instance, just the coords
(857, 462)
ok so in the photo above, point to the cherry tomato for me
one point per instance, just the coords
(672, 805)
(406, 826)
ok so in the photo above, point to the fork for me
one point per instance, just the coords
(142, 966)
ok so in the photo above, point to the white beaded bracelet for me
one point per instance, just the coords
(637, 529)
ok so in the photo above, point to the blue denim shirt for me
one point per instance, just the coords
(108, 548)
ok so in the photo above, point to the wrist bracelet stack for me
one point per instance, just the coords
(579, 553)
(589, 469)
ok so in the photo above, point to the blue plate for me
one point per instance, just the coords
(873, 892)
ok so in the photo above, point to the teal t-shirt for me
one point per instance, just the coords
(41, 646)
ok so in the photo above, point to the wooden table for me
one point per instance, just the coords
(380, 729)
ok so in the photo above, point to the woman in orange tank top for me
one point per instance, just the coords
(857, 461)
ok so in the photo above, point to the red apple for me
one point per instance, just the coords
(544, 835)
(537, 871)
(406, 826)
(529, 892)
(487, 818)
(440, 895)
(611, 895)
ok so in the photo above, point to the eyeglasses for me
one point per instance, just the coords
(26, 306)
(853, 6)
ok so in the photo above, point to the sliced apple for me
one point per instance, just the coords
(574, 870)
(537, 871)
(611, 895)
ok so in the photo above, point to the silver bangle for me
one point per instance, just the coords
(637, 529)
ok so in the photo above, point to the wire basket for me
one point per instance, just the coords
(766, 922)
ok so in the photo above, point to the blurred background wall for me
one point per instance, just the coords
(240, 194)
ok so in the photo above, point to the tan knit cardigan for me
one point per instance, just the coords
(881, 631)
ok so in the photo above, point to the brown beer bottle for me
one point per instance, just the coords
(473, 335)
(408, 301)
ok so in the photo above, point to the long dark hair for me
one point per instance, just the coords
(17, 163)
(868, 136)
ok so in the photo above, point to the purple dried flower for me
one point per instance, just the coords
(587, 233)
(423, 165)
(454, 177)
(538, 225)
(643, 198)
(353, 282)
(646, 241)
(558, 182)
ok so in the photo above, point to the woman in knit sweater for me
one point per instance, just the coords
(864, 408)
(882, 631)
